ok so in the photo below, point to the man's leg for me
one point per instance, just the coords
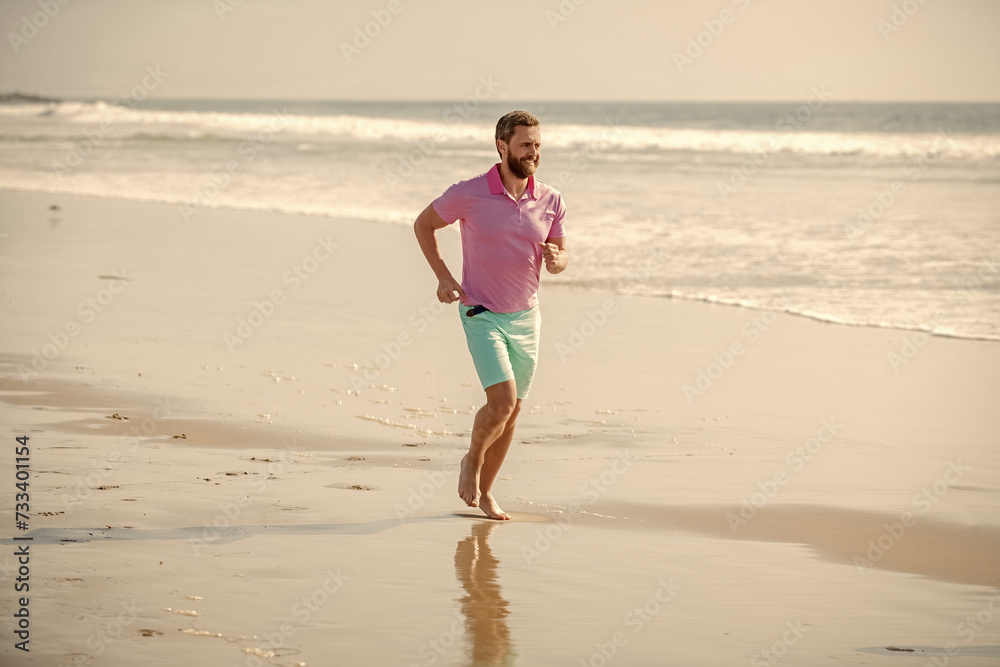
(491, 466)
(489, 425)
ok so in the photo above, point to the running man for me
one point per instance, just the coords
(511, 223)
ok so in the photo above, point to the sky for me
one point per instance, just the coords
(679, 50)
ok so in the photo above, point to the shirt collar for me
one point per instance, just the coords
(496, 183)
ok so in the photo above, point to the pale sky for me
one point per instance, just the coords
(943, 50)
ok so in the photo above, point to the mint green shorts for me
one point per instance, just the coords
(504, 346)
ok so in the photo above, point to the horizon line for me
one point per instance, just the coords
(52, 97)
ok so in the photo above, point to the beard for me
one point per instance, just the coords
(522, 168)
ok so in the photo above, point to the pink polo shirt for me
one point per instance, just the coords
(501, 258)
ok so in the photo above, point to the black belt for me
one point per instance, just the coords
(475, 310)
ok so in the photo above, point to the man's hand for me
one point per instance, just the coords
(555, 258)
(426, 224)
(447, 287)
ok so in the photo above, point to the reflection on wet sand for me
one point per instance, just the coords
(484, 607)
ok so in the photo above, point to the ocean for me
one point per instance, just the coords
(859, 214)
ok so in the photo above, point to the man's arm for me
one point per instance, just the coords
(428, 222)
(555, 254)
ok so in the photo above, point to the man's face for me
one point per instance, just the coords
(524, 152)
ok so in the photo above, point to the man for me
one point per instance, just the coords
(510, 224)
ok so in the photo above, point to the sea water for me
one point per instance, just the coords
(860, 214)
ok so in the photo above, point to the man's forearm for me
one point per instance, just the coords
(432, 253)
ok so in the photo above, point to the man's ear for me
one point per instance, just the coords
(502, 147)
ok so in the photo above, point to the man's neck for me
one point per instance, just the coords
(514, 185)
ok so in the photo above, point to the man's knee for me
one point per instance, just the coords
(502, 405)
(514, 413)
(502, 411)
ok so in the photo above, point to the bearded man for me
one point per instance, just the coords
(511, 224)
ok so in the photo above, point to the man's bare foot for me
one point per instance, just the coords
(468, 483)
(492, 509)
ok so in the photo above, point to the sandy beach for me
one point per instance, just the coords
(244, 433)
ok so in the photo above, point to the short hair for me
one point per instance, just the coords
(507, 125)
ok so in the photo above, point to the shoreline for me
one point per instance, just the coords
(709, 299)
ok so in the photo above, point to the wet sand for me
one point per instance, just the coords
(691, 483)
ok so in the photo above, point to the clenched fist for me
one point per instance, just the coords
(555, 257)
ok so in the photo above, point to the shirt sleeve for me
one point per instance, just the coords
(556, 230)
(451, 205)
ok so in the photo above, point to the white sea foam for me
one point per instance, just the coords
(193, 125)
(647, 220)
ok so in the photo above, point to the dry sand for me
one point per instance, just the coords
(812, 504)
